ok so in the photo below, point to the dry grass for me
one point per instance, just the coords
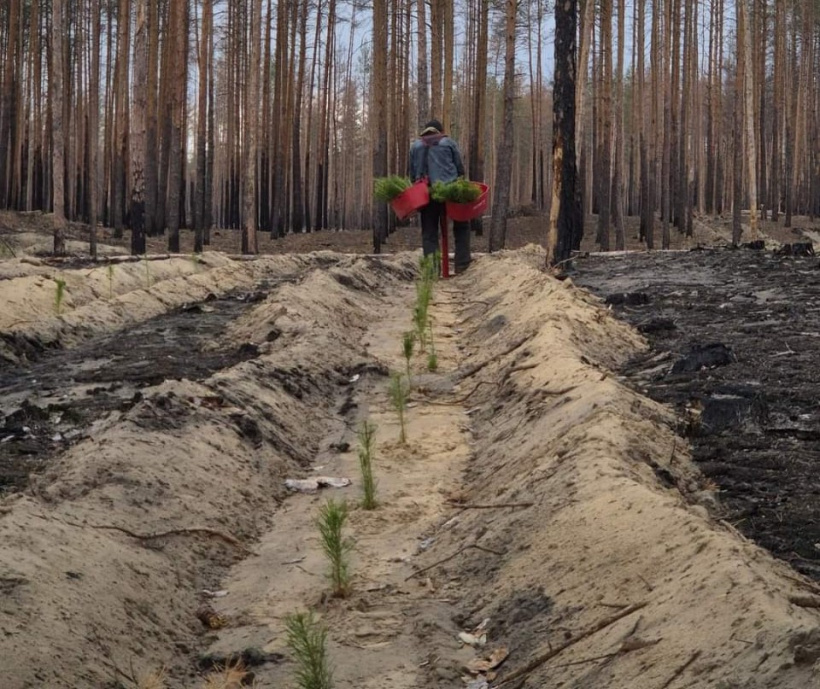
(229, 678)
(156, 680)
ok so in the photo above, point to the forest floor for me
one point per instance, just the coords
(580, 482)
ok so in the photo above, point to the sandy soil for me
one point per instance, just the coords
(536, 491)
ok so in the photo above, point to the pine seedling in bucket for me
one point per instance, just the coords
(307, 641)
(408, 343)
(367, 441)
(335, 546)
(398, 396)
(59, 295)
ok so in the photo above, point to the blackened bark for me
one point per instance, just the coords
(566, 221)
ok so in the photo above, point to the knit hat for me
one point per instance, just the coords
(432, 127)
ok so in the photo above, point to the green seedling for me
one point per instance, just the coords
(336, 547)
(367, 441)
(307, 641)
(110, 271)
(408, 343)
(147, 272)
(398, 396)
(59, 295)
(432, 359)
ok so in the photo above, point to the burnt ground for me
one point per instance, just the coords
(734, 348)
(53, 401)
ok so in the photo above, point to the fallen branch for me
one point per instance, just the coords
(472, 370)
(597, 627)
(227, 538)
(681, 669)
(501, 505)
(516, 369)
(450, 557)
(461, 400)
(626, 647)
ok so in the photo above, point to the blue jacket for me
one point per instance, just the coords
(444, 162)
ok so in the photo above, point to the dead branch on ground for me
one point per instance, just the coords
(501, 505)
(594, 629)
(475, 368)
(227, 538)
(450, 557)
(681, 669)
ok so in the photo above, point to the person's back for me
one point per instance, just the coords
(435, 155)
(443, 160)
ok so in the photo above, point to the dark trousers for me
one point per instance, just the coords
(430, 220)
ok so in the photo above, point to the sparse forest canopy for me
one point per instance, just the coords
(157, 115)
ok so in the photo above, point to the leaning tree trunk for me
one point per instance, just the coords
(503, 168)
(566, 220)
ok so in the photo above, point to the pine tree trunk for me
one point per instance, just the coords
(57, 133)
(249, 242)
(738, 120)
(565, 209)
(778, 109)
(202, 126)
(153, 222)
(618, 174)
(504, 161)
(423, 87)
(298, 218)
(448, 25)
(176, 27)
(745, 48)
(436, 20)
(477, 133)
(139, 101)
(379, 117)
(605, 146)
(8, 105)
(122, 120)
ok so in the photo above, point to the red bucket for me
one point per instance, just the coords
(460, 212)
(411, 199)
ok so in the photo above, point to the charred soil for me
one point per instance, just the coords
(734, 338)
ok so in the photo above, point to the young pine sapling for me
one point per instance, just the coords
(367, 449)
(307, 641)
(336, 547)
(408, 343)
(432, 358)
(398, 396)
(59, 295)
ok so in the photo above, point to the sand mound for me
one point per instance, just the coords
(583, 533)
(612, 522)
(101, 563)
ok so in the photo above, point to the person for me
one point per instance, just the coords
(436, 156)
